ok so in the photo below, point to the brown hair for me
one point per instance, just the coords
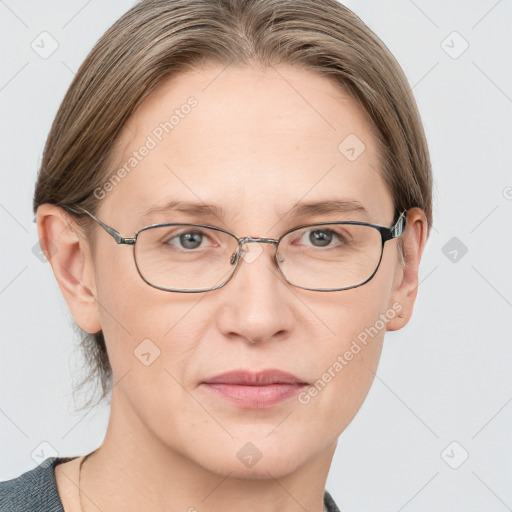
(157, 38)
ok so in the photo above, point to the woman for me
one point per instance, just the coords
(267, 162)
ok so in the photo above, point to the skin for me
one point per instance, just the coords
(254, 147)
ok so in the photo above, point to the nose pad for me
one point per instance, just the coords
(249, 256)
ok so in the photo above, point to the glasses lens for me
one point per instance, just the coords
(184, 257)
(330, 256)
(188, 257)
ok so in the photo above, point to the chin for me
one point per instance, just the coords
(274, 467)
(258, 459)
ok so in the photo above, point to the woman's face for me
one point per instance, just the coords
(254, 143)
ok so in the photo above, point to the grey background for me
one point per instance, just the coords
(445, 378)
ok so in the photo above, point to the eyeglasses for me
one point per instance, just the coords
(333, 256)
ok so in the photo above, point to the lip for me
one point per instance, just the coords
(254, 390)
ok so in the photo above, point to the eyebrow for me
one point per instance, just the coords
(303, 209)
(203, 210)
(300, 209)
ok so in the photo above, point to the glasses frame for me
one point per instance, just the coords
(386, 233)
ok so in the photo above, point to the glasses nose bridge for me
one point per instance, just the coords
(249, 239)
(236, 257)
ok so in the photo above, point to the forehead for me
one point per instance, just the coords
(248, 139)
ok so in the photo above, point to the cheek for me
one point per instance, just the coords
(147, 330)
(346, 360)
(344, 374)
(132, 312)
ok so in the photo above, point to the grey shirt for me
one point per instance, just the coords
(36, 490)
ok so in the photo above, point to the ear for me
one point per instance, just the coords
(405, 285)
(69, 254)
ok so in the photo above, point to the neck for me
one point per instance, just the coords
(132, 471)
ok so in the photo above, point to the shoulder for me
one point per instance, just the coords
(329, 503)
(36, 490)
(33, 491)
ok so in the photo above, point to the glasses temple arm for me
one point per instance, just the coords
(399, 225)
(115, 234)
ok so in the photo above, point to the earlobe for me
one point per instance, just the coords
(405, 286)
(68, 252)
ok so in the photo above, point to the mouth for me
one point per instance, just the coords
(250, 390)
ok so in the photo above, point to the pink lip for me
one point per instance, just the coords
(255, 390)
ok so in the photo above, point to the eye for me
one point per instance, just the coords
(192, 239)
(322, 237)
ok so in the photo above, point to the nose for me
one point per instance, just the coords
(257, 301)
